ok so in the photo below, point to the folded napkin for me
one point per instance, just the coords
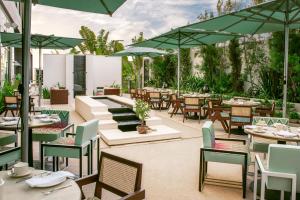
(40, 116)
(49, 180)
(9, 123)
(286, 134)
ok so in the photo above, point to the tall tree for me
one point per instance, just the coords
(138, 60)
(236, 65)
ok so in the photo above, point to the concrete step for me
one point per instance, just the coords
(102, 115)
(107, 124)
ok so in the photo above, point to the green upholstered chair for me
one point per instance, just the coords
(262, 147)
(240, 116)
(74, 145)
(9, 155)
(117, 175)
(7, 138)
(231, 151)
(52, 132)
(282, 172)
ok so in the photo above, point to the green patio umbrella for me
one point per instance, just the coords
(95, 6)
(140, 51)
(186, 38)
(277, 15)
(40, 42)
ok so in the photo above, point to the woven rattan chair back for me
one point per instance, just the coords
(192, 101)
(241, 111)
(11, 100)
(118, 175)
(155, 95)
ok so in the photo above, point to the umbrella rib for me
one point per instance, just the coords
(106, 8)
(296, 14)
(191, 38)
(243, 18)
(263, 23)
(274, 20)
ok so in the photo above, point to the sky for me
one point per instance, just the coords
(152, 17)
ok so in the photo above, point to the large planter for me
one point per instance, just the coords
(142, 129)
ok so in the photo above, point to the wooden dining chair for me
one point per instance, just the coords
(155, 100)
(117, 175)
(132, 93)
(192, 104)
(216, 112)
(11, 104)
(266, 111)
(176, 104)
(240, 116)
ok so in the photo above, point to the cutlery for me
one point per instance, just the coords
(56, 189)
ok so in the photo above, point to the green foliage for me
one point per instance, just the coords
(193, 84)
(185, 64)
(6, 90)
(294, 115)
(46, 93)
(236, 65)
(142, 110)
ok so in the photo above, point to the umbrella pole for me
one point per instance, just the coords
(286, 66)
(25, 80)
(178, 73)
(39, 76)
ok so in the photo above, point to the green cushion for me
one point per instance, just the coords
(284, 159)
(225, 158)
(7, 138)
(241, 119)
(260, 147)
(224, 114)
(63, 149)
(209, 142)
(270, 120)
(9, 155)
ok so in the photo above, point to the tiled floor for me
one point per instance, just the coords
(171, 168)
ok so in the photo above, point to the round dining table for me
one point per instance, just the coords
(269, 132)
(33, 122)
(17, 189)
(246, 103)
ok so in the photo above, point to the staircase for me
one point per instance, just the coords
(126, 118)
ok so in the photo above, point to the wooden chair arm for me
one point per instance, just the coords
(85, 181)
(139, 195)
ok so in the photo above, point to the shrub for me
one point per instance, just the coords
(294, 115)
(142, 110)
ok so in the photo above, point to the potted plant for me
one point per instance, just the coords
(294, 117)
(142, 110)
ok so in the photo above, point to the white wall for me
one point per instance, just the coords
(102, 71)
(54, 70)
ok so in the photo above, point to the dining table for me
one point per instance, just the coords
(282, 135)
(35, 121)
(241, 102)
(16, 188)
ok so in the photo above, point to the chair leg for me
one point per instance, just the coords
(98, 152)
(53, 163)
(91, 159)
(57, 163)
(67, 161)
(12, 112)
(42, 156)
(5, 113)
(200, 171)
(80, 163)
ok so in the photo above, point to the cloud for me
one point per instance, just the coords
(152, 17)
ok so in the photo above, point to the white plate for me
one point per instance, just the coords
(53, 179)
(10, 174)
(10, 118)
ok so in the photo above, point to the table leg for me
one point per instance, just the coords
(30, 152)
